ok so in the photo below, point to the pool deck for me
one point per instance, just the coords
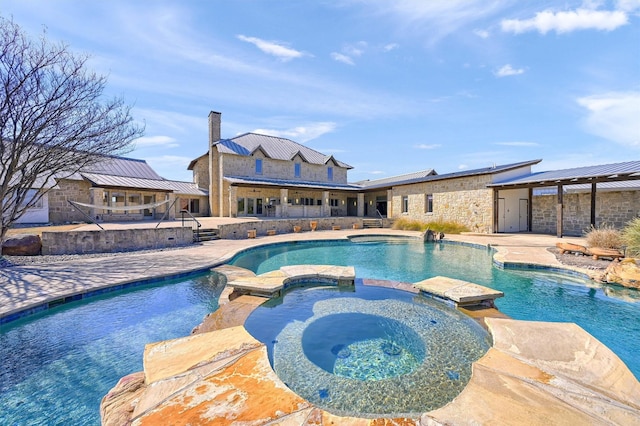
(536, 373)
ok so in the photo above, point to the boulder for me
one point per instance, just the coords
(625, 273)
(22, 245)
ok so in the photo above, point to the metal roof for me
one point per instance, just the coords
(436, 177)
(589, 174)
(274, 147)
(632, 185)
(126, 167)
(127, 182)
(243, 180)
(186, 188)
(395, 180)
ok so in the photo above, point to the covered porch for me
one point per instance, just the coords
(278, 199)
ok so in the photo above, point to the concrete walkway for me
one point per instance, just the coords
(35, 286)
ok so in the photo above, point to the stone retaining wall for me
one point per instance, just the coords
(286, 226)
(111, 241)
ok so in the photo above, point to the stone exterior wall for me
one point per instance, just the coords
(464, 200)
(201, 175)
(240, 165)
(60, 211)
(614, 208)
(111, 241)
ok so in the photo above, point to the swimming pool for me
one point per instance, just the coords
(59, 364)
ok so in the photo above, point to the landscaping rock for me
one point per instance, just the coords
(22, 245)
(626, 273)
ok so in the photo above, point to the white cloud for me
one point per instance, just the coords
(433, 20)
(508, 70)
(568, 21)
(391, 46)
(278, 50)
(342, 58)
(614, 116)
(427, 146)
(301, 133)
(481, 33)
(463, 167)
(156, 142)
(628, 5)
(356, 49)
(517, 143)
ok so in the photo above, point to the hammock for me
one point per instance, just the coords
(120, 208)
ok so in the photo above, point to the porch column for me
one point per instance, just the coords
(233, 201)
(559, 212)
(326, 208)
(284, 201)
(389, 203)
(361, 204)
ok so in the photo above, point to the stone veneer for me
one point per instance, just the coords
(60, 211)
(613, 208)
(114, 240)
(464, 200)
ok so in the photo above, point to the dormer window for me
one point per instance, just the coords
(258, 166)
(297, 167)
(330, 173)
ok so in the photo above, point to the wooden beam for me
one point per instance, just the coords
(593, 204)
(559, 212)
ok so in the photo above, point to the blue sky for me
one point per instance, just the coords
(389, 87)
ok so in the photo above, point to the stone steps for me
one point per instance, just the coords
(206, 235)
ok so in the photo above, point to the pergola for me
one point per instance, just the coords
(618, 172)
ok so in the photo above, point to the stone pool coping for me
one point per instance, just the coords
(222, 375)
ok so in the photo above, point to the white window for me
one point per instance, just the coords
(428, 206)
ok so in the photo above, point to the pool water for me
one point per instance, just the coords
(56, 366)
(406, 353)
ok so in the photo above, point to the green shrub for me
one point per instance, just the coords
(436, 226)
(631, 238)
(604, 237)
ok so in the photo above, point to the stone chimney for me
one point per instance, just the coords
(214, 127)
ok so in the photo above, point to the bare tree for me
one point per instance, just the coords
(54, 120)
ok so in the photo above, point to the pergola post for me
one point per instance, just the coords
(593, 204)
(559, 208)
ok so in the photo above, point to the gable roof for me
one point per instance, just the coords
(629, 170)
(273, 147)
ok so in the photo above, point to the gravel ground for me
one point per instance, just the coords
(9, 261)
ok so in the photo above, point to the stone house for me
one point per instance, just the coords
(260, 175)
(111, 190)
